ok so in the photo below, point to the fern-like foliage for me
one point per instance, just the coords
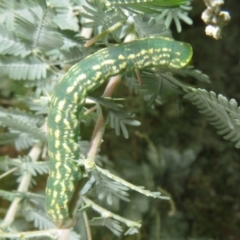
(102, 19)
(176, 15)
(150, 7)
(17, 68)
(26, 117)
(39, 32)
(9, 44)
(130, 14)
(96, 13)
(72, 55)
(118, 118)
(222, 113)
(154, 86)
(24, 165)
(23, 127)
(10, 196)
(34, 168)
(107, 188)
(111, 224)
(64, 17)
(191, 71)
(9, 9)
(39, 219)
(145, 26)
(157, 84)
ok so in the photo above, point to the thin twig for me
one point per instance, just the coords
(8, 172)
(24, 235)
(23, 187)
(100, 124)
(88, 230)
(107, 214)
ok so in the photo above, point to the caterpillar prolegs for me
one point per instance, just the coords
(69, 97)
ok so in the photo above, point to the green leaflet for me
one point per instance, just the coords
(68, 100)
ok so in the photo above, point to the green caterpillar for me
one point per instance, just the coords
(69, 97)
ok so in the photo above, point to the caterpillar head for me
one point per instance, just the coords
(181, 55)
